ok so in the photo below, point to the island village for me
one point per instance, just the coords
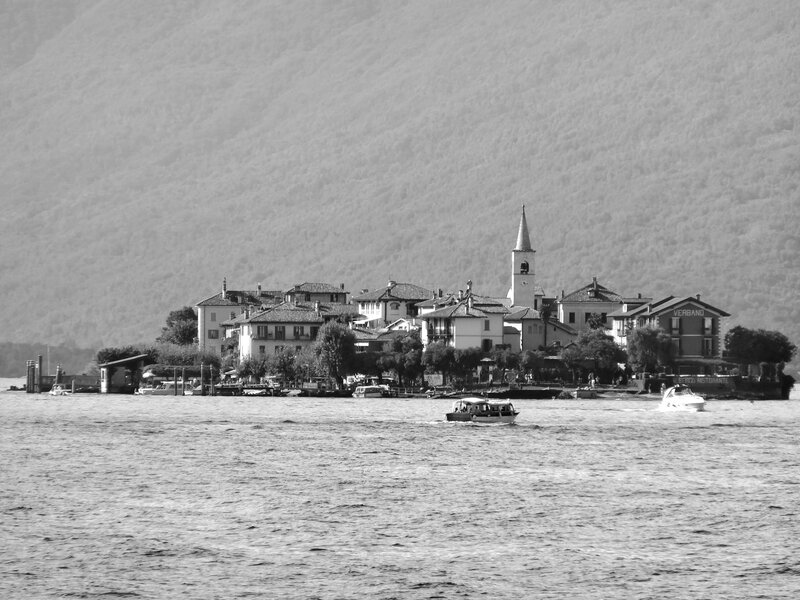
(240, 326)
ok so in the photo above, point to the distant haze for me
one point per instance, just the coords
(150, 149)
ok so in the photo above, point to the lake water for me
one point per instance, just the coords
(224, 497)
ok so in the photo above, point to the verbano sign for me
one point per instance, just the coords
(689, 312)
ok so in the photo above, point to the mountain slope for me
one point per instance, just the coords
(149, 149)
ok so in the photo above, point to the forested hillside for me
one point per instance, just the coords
(148, 149)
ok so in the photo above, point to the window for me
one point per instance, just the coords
(262, 350)
(334, 297)
(486, 324)
(395, 306)
(708, 326)
(708, 346)
(213, 334)
(676, 345)
(604, 317)
(298, 331)
(233, 315)
(261, 332)
(213, 317)
(572, 317)
(675, 325)
(487, 345)
(308, 297)
(586, 317)
(314, 331)
(280, 332)
(523, 268)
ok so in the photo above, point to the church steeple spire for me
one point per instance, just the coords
(523, 237)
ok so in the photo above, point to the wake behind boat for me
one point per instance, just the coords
(479, 410)
(680, 397)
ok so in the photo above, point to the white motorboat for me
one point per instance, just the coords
(479, 410)
(680, 397)
(59, 389)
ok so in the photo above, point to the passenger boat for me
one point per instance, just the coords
(680, 397)
(370, 391)
(479, 410)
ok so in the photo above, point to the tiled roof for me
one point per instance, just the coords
(301, 313)
(437, 302)
(396, 291)
(594, 292)
(666, 304)
(523, 313)
(243, 297)
(462, 309)
(316, 288)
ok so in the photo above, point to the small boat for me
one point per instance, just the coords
(680, 397)
(59, 389)
(478, 410)
(166, 388)
(371, 391)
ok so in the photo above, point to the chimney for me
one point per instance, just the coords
(259, 289)
(392, 283)
(316, 307)
(469, 286)
(341, 286)
(460, 294)
(224, 288)
(698, 296)
(441, 293)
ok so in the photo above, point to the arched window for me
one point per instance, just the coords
(523, 268)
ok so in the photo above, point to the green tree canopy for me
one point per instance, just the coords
(596, 350)
(336, 349)
(648, 347)
(753, 346)
(181, 327)
(439, 357)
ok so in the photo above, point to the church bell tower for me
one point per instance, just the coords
(523, 288)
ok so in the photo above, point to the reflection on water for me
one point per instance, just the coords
(344, 498)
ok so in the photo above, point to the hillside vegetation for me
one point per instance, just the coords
(148, 149)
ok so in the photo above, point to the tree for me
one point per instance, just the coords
(596, 321)
(283, 364)
(648, 347)
(181, 327)
(252, 368)
(439, 357)
(594, 349)
(756, 346)
(533, 361)
(465, 361)
(404, 357)
(336, 349)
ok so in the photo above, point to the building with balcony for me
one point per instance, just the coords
(386, 305)
(470, 321)
(693, 325)
(289, 325)
(576, 308)
(214, 312)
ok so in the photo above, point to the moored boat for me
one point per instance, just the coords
(681, 397)
(479, 410)
(371, 391)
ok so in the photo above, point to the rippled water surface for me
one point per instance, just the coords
(105, 496)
